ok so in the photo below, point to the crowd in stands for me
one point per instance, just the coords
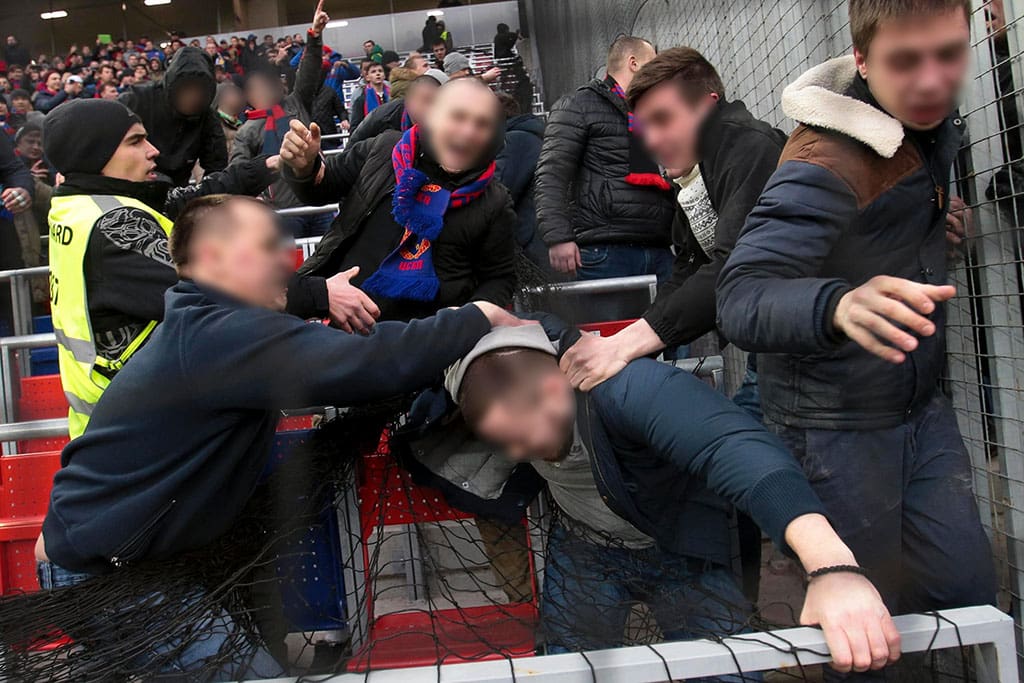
(823, 252)
(207, 104)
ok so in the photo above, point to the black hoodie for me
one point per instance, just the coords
(182, 140)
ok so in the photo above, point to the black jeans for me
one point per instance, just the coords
(901, 498)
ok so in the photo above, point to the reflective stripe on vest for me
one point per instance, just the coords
(71, 222)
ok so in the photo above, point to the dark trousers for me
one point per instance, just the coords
(624, 260)
(589, 590)
(901, 498)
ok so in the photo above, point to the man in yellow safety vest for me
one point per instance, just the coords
(109, 222)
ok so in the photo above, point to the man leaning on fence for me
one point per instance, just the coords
(109, 224)
(838, 282)
(642, 471)
(179, 441)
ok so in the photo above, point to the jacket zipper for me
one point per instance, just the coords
(123, 554)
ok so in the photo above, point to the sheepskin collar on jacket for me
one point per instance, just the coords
(820, 97)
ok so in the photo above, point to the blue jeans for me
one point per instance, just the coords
(213, 629)
(623, 260)
(314, 225)
(748, 396)
(901, 498)
(589, 590)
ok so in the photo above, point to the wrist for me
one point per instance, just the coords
(636, 341)
(816, 543)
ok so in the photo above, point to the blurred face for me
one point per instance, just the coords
(134, 159)
(211, 49)
(5, 85)
(232, 102)
(670, 124)
(367, 46)
(108, 91)
(22, 105)
(440, 51)
(53, 81)
(916, 66)
(190, 98)
(75, 87)
(30, 146)
(262, 92)
(251, 261)
(4, 112)
(141, 73)
(106, 74)
(375, 75)
(532, 424)
(16, 73)
(418, 100)
(462, 123)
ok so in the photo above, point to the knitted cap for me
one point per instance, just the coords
(80, 136)
(455, 62)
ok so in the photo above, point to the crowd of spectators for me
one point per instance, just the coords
(208, 103)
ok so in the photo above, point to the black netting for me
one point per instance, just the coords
(342, 563)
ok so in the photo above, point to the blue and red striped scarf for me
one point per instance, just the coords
(642, 169)
(406, 120)
(278, 122)
(372, 100)
(419, 206)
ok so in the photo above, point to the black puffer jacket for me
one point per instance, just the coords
(473, 257)
(581, 192)
(182, 140)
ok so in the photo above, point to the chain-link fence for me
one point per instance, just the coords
(760, 47)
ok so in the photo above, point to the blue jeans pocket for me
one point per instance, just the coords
(592, 257)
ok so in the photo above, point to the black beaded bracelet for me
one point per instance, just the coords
(837, 569)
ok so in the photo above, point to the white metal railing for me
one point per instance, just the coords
(986, 630)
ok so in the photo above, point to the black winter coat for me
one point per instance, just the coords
(473, 257)
(738, 155)
(182, 140)
(581, 192)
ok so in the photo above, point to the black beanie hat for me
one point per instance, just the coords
(80, 136)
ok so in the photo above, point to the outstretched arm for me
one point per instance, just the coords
(717, 441)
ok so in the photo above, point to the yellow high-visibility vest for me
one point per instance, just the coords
(71, 222)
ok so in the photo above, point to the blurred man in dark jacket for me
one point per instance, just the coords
(603, 208)
(838, 282)
(422, 225)
(268, 122)
(177, 111)
(721, 158)
(642, 492)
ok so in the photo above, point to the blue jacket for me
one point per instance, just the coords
(178, 441)
(671, 455)
(844, 206)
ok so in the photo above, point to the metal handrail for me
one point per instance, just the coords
(307, 210)
(33, 429)
(614, 284)
(14, 274)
